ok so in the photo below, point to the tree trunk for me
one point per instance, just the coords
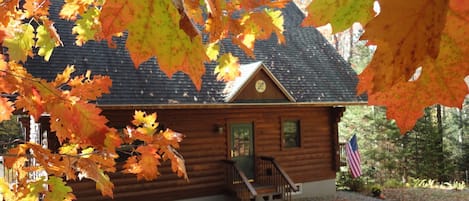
(439, 143)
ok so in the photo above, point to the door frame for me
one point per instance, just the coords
(231, 122)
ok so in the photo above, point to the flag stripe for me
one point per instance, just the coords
(353, 157)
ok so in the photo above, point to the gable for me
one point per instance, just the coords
(256, 85)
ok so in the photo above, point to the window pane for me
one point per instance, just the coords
(291, 133)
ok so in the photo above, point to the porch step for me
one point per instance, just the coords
(266, 193)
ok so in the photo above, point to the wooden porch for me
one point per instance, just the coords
(271, 182)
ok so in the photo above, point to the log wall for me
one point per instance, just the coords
(204, 147)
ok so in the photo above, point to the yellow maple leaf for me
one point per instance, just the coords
(227, 68)
(20, 46)
(86, 27)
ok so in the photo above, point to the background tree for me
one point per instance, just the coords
(9, 134)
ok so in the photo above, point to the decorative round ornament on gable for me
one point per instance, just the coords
(260, 86)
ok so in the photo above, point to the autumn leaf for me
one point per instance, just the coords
(87, 26)
(146, 123)
(148, 160)
(341, 14)
(115, 16)
(89, 169)
(227, 68)
(438, 81)
(249, 4)
(216, 24)
(49, 25)
(7, 10)
(5, 192)
(88, 88)
(37, 8)
(45, 43)
(212, 50)
(264, 24)
(20, 46)
(407, 44)
(32, 101)
(64, 77)
(155, 32)
(157, 146)
(72, 8)
(194, 11)
(58, 190)
(3, 35)
(6, 109)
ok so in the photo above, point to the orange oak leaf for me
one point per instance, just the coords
(79, 123)
(115, 16)
(3, 35)
(49, 25)
(438, 81)
(216, 24)
(158, 145)
(72, 8)
(88, 168)
(64, 77)
(72, 118)
(88, 88)
(6, 109)
(144, 165)
(259, 26)
(7, 9)
(37, 8)
(194, 11)
(407, 45)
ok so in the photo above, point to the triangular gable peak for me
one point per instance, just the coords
(256, 84)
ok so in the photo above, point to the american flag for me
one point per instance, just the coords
(353, 157)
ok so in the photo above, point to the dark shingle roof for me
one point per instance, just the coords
(307, 66)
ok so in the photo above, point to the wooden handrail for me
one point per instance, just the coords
(243, 177)
(281, 171)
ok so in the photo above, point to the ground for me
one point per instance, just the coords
(401, 194)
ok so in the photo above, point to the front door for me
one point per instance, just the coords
(242, 147)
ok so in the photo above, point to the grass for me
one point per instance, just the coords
(425, 194)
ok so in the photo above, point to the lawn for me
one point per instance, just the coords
(425, 194)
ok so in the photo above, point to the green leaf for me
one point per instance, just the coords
(45, 42)
(86, 26)
(58, 190)
(20, 46)
(341, 14)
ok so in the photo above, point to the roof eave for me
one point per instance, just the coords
(225, 105)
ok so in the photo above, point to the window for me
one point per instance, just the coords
(291, 133)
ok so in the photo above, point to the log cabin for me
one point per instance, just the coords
(271, 134)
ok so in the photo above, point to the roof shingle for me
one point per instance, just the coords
(307, 66)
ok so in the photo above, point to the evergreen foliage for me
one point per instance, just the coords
(437, 148)
(10, 133)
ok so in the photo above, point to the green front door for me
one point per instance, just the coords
(242, 147)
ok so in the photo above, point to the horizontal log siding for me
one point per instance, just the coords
(203, 148)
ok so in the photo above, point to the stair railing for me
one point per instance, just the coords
(238, 182)
(270, 173)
